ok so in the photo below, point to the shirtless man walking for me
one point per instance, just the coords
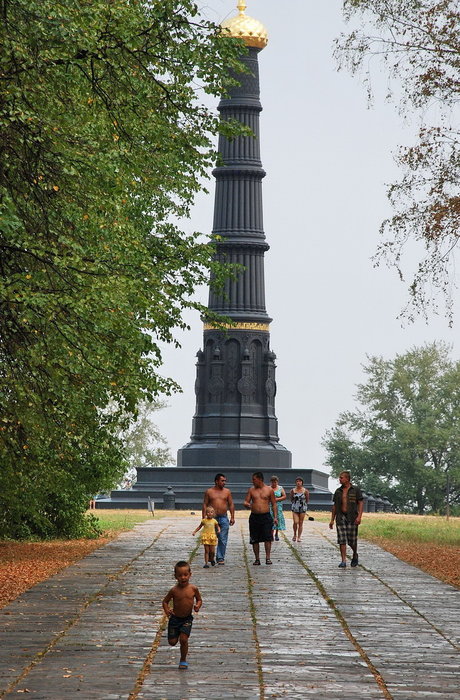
(261, 523)
(347, 511)
(220, 498)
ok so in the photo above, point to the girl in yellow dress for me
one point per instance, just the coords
(209, 536)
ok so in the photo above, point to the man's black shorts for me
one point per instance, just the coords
(260, 527)
(176, 625)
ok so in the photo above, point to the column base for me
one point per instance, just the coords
(248, 456)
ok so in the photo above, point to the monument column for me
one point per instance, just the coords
(235, 429)
(235, 423)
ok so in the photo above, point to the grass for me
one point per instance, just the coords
(323, 516)
(429, 529)
(114, 521)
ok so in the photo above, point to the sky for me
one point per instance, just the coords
(328, 158)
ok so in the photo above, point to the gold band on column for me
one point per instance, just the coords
(241, 326)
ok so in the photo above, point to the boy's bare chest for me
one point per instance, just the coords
(183, 596)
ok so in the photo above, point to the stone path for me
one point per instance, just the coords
(300, 628)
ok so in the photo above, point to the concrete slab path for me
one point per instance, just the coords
(300, 628)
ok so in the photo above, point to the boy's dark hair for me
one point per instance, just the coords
(217, 477)
(180, 564)
(258, 475)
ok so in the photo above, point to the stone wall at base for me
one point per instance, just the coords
(190, 483)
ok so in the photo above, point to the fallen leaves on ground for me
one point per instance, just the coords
(441, 561)
(23, 564)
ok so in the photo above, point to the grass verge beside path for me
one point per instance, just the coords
(429, 542)
(412, 528)
(113, 522)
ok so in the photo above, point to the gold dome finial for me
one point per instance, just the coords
(250, 30)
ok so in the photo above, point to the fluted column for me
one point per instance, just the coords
(235, 422)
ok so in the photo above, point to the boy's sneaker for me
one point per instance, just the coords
(354, 561)
(343, 565)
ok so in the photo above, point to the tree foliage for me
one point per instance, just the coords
(144, 445)
(418, 42)
(403, 441)
(104, 141)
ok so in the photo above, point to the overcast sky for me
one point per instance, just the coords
(328, 157)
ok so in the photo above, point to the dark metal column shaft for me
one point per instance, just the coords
(235, 423)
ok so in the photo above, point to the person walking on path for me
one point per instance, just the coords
(220, 498)
(209, 535)
(261, 523)
(299, 506)
(185, 597)
(280, 496)
(347, 511)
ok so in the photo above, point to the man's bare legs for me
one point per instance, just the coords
(343, 552)
(256, 550)
(268, 549)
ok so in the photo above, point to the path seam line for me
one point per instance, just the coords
(39, 656)
(395, 592)
(348, 633)
(252, 611)
(149, 659)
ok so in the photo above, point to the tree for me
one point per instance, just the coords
(404, 439)
(418, 42)
(144, 445)
(104, 142)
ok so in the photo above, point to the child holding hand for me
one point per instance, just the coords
(183, 595)
(209, 536)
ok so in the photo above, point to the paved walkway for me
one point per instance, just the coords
(300, 628)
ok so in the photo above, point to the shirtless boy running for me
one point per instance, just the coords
(183, 595)
(261, 523)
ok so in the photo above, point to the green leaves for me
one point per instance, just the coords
(404, 439)
(104, 144)
(418, 44)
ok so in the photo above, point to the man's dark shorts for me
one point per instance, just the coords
(260, 528)
(176, 625)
